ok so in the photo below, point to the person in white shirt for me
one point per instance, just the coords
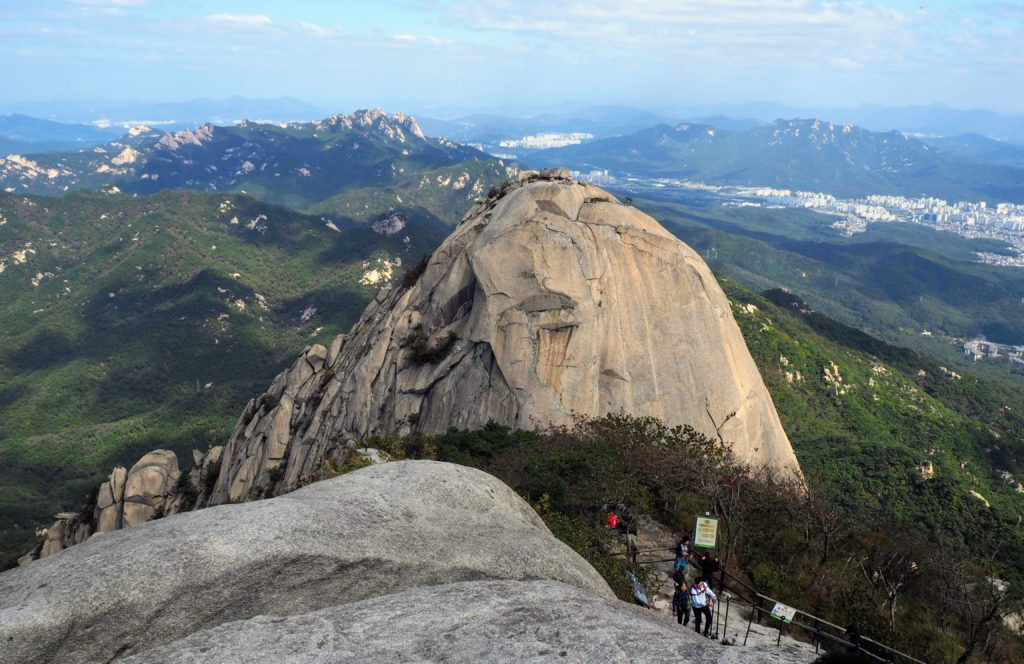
(702, 598)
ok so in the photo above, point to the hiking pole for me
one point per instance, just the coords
(725, 627)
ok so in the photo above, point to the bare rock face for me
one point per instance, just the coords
(550, 298)
(366, 534)
(475, 621)
(259, 446)
(110, 501)
(148, 488)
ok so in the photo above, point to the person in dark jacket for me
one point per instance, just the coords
(679, 577)
(681, 604)
(710, 568)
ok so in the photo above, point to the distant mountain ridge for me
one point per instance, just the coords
(299, 165)
(601, 121)
(172, 115)
(982, 149)
(805, 154)
(926, 120)
(24, 134)
(809, 155)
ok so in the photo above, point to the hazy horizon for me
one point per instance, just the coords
(416, 56)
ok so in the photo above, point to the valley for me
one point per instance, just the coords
(129, 323)
(136, 297)
(458, 332)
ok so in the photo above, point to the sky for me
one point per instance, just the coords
(433, 54)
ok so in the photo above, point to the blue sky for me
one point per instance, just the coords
(419, 54)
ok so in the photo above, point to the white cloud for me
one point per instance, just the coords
(754, 30)
(319, 30)
(797, 51)
(846, 63)
(240, 20)
(422, 39)
(105, 7)
(109, 3)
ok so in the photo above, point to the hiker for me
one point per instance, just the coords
(702, 599)
(710, 566)
(681, 604)
(619, 517)
(679, 577)
(683, 553)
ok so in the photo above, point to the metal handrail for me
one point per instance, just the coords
(844, 631)
(817, 631)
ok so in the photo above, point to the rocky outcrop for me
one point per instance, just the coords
(477, 621)
(258, 448)
(550, 298)
(370, 533)
(110, 501)
(152, 488)
(395, 127)
(148, 488)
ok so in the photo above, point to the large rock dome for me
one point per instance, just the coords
(366, 534)
(550, 298)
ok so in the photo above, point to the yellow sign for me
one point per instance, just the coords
(707, 532)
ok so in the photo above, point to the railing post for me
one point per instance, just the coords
(725, 627)
(753, 610)
(819, 633)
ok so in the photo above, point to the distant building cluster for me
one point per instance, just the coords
(598, 177)
(979, 349)
(868, 209)
(1004, 222)
(546, 140)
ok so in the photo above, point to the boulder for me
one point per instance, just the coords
(69, 529)
(550, 299)
(372, 532)
(110, 501)
(476, 621)
(149, 487)
(53, 540)
(153, 488)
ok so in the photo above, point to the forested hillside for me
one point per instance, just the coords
(133, 323)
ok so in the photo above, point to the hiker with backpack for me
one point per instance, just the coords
(681, 604)
(682, 553)
(702, 598)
